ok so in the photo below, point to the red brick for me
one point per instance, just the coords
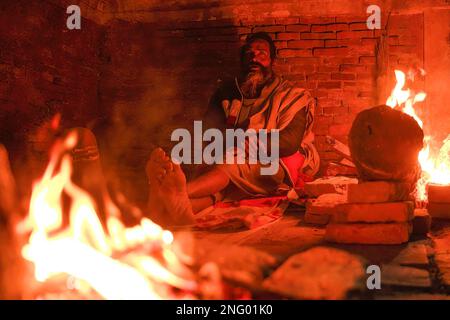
(303, 61)
(342, 76)
(289, 53)
(343, 119)
(318, 28)
(322, 35)
(331, 51)
(374, 212)
(286, 21)
(298, 28)
(340, 60)
(369, 233)
(269, 29)
(320, 93)
(340, 129)
(328, 101)
(352, 68)
(342, 42)
(367, 60)
(317, 20)
(288, 36)
(349, 84)
(280, 44)
(337, 27)
(379, 191)
(306, 43)
(318, 76)
(351, 18)
(354, 34)
(302, 69)
(364, 76)
(358, 26)
(323, 68)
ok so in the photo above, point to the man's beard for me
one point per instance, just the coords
(254, 80)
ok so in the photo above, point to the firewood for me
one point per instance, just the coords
(385, 144)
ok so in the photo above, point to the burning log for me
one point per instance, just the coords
(11, 263)
(385, 144)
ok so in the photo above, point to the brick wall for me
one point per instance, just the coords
(135, 82)
(45, 66)
(333, 57)
(347, 68)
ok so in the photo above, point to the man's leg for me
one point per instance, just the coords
(208, 184)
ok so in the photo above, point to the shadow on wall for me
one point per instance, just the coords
(151, 84)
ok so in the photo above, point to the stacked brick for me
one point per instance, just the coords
(375, 213)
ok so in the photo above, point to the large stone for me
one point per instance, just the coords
(319, 211)
(368, 233)
(400, 276)
(322, 186)
(421, 222)
(325, 204)
(384, 144)
(241, 264)
(318, 273)
(374, 212)
(379, 191)
(439, 210)
(414, 255)
(438, 193)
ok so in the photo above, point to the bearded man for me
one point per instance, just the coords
(256, 99)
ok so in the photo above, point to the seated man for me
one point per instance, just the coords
(257, 99)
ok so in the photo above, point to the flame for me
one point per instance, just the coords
(435, 167)
(116, 264)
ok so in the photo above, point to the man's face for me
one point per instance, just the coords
(257, 57)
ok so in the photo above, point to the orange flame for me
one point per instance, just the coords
(84, 251)
(435, 168)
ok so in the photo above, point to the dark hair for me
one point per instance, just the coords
(259, 36)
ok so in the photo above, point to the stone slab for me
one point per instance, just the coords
(318, 273)
(374, 212)
(394, 275)
(368, 233)
(326, 185)
(379, 191)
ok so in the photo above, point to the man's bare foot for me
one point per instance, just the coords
(169, 203)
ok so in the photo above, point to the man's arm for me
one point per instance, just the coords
(290, 138)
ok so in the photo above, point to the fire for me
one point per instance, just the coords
(119, 263)
(435, 166)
